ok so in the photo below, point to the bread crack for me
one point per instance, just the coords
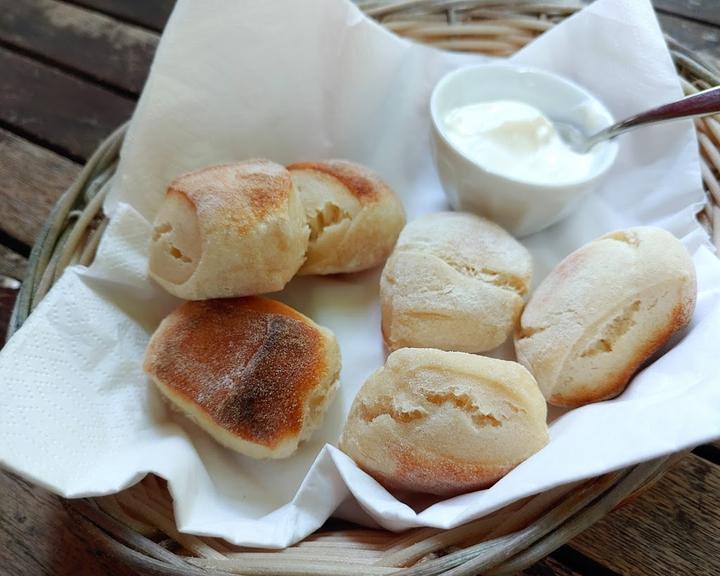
(629, 238)
(176, 253)
(328, 215)
(613, 331)
(428, 315)
(502, 280)
(160, 230)
(385, 407)
(390, 279)
(529, 331)
(466, 404)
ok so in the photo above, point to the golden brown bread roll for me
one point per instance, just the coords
(354, 217)
(455, 281)
(603, 311)
(252, 372)
(229, 230)
(444, 422)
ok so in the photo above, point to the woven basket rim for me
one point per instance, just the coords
(76, 224)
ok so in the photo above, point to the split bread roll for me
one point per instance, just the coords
(455, 281)
(229, 230)
(252, 372)
(603, 311)
(354, 217)
(444, 422)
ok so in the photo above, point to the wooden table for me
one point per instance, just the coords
(70, 72)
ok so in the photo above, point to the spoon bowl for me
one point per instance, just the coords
(701, 104)
(573, 136)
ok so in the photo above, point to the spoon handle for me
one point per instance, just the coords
(700, 104)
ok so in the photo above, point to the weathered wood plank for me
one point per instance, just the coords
(31, 180)
(703, 10)
(701, 38)
(8, 293)
(710, 452)
(64, 113)
(671, 529)
(12, 264)
(98, 46)
(37, 539)
(151, 14)
(571, 560)
(550, 567)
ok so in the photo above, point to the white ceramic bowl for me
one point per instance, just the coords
(520, 206)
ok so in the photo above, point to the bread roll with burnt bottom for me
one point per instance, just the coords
(354, 217)
(455, 281)
(444, 422)
(229, 230)
(603, 311)
(253, 373)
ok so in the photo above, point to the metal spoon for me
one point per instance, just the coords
(700, 104)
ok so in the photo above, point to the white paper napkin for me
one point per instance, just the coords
(307, 80)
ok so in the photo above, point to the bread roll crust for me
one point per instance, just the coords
(354, 217)
(455, 281)
(257, 188)
(360, 181)
(444, 422)
(603, 312)
(245, 233)
(254, 373)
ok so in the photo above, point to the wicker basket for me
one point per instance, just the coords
(137, 525)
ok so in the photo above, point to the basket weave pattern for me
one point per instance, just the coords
(138, 524)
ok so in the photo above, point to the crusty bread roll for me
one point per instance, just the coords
(252, 372)
(229, 230)
(603, 311)
(354, 217)
(444, 422)
(455, 281)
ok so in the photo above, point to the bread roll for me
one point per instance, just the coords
(229, 230)
(354, 217)
(455, 281)
(444, 422)
(253, 373)
(603, 311)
